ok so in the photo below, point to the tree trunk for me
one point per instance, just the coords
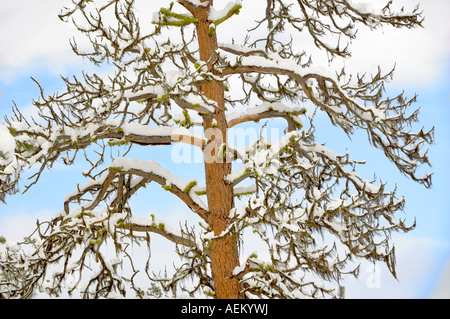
(224, 254)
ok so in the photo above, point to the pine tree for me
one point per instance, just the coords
(308, 204)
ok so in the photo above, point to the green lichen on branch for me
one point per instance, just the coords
(170, 18)
(200, 192)
(13, 131)
(160, 226)
(101, 236)
(163, 98)
(120, 142)
(114, 169)
(26, 146)
(186, 121)
(234, 10)
(190, 186)
(245, 193)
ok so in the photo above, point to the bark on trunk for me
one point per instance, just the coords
(224, 253)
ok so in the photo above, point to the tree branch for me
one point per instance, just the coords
(144, 227)
(149, 171)
(268, 110)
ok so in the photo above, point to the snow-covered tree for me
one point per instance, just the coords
(314, 215)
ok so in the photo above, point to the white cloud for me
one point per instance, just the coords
(421, 55)
(34, 37)
(14, 227)
(417, 261)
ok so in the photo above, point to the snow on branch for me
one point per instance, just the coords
(298, 194)
(93, 271)
(219, 16)
(118, 221)
(124, 177)
(137, 60)
(89, 229)
(351, 105)
(323, 20)
(166, 17)
(24, 146)
(268, 110)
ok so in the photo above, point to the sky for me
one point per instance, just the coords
(35, 43)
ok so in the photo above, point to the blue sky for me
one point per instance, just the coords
(423, 67)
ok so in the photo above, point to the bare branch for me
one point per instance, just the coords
(180, 240)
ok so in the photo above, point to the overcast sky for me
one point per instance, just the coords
(34, 42)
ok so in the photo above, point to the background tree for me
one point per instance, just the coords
(310, 207)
